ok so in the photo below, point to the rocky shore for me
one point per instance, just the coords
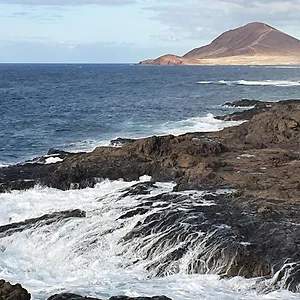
(253, 231)
(10, 291)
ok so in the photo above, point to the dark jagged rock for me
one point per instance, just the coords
(58, 152)
(10, 291)
(47, 219)
(251, 233)
(141, 188)
(219, 237)
(70, 296)
(24, 176)
(164, 158)
(118, 142)
(254, 107)
(246, 103)
(277, 126)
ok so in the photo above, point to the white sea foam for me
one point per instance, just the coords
(83, 255)
(201, 124)
(278, 83)
(194, 124)
(277, 67)
(52, 160)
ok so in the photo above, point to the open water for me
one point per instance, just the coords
(77, 107)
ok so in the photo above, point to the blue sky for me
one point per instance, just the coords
(104, 31)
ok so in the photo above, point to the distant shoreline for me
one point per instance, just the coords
(257, 60)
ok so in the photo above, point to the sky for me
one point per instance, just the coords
(127, 31)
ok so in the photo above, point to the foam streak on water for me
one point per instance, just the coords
(82, 255)
(278, 83)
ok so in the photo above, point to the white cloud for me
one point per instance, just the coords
(204, 20)
(68, 2)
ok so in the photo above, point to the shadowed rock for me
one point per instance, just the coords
(215, 234)
(10, 291)
(118, 142)
(69, 296)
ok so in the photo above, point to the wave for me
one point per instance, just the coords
(201, 124)
(278, 83)
(135, 131)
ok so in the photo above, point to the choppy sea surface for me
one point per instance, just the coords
(77, 107)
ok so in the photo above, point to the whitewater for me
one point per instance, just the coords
(278, 83)
(85, 256)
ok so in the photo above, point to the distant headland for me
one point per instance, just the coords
(253, 44)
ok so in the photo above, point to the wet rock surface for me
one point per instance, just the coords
(10, 291)
(213, 233)
(253, 232)
(47, 219)
(118, 142)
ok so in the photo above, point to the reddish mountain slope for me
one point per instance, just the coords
(251, 39)
(253, 44)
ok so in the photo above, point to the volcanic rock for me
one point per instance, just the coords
(70, 296)
(168, 59)
(251, 39)
(250, 232)
(47, 219)
(216, 234)
(118, 142)
(10, 291)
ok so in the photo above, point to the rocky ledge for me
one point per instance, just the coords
(253, 232)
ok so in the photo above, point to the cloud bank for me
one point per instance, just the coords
(202, 20)
(68, 2)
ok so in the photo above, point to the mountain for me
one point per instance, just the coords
(253, 44)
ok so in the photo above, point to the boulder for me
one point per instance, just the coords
(10, 291)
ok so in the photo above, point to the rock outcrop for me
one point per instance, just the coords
(253, 44)
(169, 59)
(10, 291)
(47, 219)
(252, 231)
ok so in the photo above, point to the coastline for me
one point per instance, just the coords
(258, 160)
(239, 60)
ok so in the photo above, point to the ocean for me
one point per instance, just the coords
(76, 107)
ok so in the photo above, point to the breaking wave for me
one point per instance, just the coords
(121, 243)
(278, 83)
(138, 130)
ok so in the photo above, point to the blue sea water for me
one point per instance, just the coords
(76, 107)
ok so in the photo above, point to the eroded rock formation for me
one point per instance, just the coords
(10, 291)
(252, 231)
